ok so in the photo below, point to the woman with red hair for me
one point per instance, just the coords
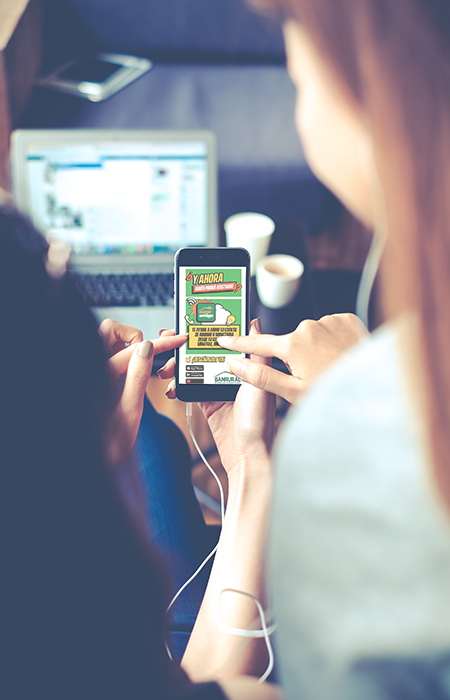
(360, 537)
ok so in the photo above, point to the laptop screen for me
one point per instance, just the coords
(119, 196)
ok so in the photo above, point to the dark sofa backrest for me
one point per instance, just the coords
(198, 28)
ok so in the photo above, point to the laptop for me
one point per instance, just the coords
(125, 200)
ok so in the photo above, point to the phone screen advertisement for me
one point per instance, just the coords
(212, 303)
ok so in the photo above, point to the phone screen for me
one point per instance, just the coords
(212, 303)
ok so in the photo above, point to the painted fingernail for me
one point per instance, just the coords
(168, 390)
(145, 348)
(225, 340)
(236, 366)
(159, 372)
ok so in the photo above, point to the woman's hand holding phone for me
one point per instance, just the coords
(307, 352)
(243, 430)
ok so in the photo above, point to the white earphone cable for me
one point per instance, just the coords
(265, 631)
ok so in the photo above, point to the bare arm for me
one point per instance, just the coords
(240, 565)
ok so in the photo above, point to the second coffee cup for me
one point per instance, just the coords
(278, 279)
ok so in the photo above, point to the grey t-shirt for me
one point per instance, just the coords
(360, 545)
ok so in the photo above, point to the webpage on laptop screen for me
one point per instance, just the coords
(134, 199)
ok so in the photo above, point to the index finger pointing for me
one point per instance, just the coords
(169, 342)
(114, 334)
(255, 330)
(262, 345)
(118, 364)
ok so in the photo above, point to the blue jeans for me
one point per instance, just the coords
(156, 484)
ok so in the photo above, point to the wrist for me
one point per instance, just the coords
(249, 496)
(248, 468)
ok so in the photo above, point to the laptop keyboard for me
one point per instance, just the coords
(126, 290)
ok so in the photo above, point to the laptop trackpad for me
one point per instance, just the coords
(149, 319)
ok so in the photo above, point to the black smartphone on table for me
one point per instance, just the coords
(96, 77)
(212, 299)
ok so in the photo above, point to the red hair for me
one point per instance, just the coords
(393, 61)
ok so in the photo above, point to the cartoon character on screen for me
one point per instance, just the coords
(208, 313)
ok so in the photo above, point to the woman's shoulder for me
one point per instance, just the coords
(372, 368)
(356, 442)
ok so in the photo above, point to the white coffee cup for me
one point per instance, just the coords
(250, 231)
(278, 279)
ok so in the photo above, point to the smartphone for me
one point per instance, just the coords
(212, 299)
(96, 77)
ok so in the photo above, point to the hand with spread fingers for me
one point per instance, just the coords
(244, 429)
(307, 352)
(131, 356)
